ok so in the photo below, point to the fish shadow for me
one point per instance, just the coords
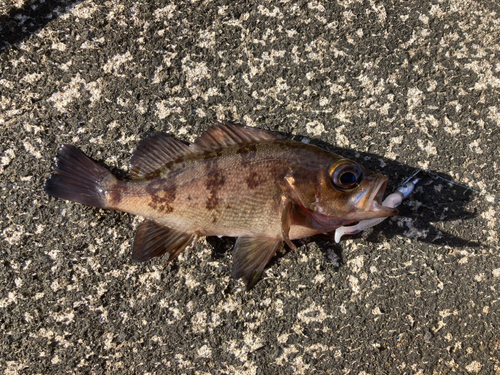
(221, 246)
(433, 201)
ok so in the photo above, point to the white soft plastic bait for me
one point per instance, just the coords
(392, 200)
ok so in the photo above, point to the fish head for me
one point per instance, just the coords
(335, 191)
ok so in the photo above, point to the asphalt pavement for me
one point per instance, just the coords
(397, 86)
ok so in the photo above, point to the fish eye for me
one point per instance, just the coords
(346, 175)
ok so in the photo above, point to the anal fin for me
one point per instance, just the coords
(154, 240)
(250, 256)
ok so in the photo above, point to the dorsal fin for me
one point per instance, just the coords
(223, 134)
(154, 151)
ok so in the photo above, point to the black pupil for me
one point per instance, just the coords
(348, 178)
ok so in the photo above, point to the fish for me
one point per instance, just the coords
(235, 181)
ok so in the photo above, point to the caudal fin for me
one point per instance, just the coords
(78, 178)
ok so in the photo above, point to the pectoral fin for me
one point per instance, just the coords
(286, 221)
(154, 240)
(250, 256)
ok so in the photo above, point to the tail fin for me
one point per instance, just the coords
(78, 178)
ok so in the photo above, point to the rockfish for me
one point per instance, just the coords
(233, 181)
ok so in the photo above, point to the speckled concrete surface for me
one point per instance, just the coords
(398, 87)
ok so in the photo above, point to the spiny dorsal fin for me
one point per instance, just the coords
(250, 256)
(154, 151)
(154, 240)
(223, 134)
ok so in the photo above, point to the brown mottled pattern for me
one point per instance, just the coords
(163, 202)
(163, 194)
(254, 180)
(115, 197)
(116, 192)
(214, 183)
(247, 150)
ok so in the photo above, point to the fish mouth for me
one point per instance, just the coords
(371, 207)
(368, 205)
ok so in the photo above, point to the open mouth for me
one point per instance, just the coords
(374, 201)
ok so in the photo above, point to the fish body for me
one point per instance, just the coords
(232, 181)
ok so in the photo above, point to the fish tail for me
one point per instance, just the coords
(78, 178)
